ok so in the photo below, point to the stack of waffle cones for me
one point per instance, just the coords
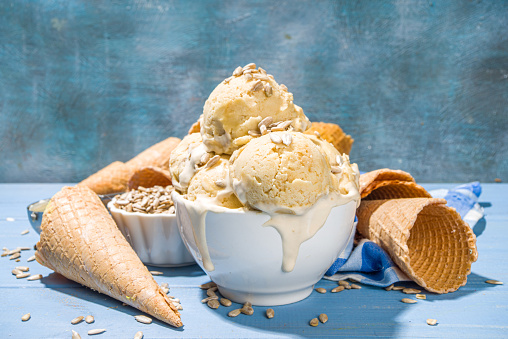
(80, 240)
(116, 177)
(428, 240)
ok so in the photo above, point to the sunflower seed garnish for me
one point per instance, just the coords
(225, 302)
(259, 76)
(77, 320)
(265, 122)
(317, 134)
(26, 317)
(270, 313)
(389, 288)
(89, 319)
(254, 133)
(249, 66)
(248, 76)
(143, 319)
(275, 138)
(238, 71)
(22, 275)
(323, 318)
(421, 296)
(204, 158)
(25, 248)
(220, 183)
(212, 161)
(234, 313)
(75, 335)
(207, 285)
(268, 90)
(214, 303)
(320, 290)
(314, 322)
(284, 124)
(283, 87)
(494, 282)
(228, 80)
(35, 277)
(263, 129)
(339, 160)
(257, 86)
(287, 139)
(25, 232)
(96, 331)
(431, 322)
(138, 335)
(262, 71)
(165, 290)
(337, 289)
(410, 291)
(156, 272)
(409, 301)
(336, 169)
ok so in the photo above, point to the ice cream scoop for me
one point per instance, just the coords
(237, 106)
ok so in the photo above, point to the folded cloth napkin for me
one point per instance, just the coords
(370, 264)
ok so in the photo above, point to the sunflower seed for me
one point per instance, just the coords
(179, 307)
(355, 287)
(225, 302)
(283, 87)
(77, 320)
(35, 277)
(89, 319)
(343, 283)
(14, 256)
(207, 285)
(494, 282)
(421, 296)
(174, 299)
(249, 66)
(207, 299)
(409, 301)
(314, 322)
(10, 219)
(323, 318)
(165, 290)
(16, 271)
(238, 71)
(156, 272)
(138, 335)
(398, 288)
(266, 122)
(143, 319)
(220, 183)
(259, 76)
(410, 291)
(336, 169)
(25, 232)
(26, 317)
(165, 285)
(247, 310)
(262, 71)
(212, 161)
(22, 268)
(270, 313)
(431, 322)
(339, 160)
(248, 76)
(337, 289)
(320, 290)
(316, 133)
(17, 250)
(22, 275)
(254, 133)
(214, 303)
(268, 89)
(75, 335)
(287, 139)
(284, 124)
(96, 331)
(204, 158)
(17, 260)
(276, 129)
(228, 79)
(25, 248)
(389, 288)
(6, 253)
(275, 138)
(257, 86)
(263, 129)
(234, 313)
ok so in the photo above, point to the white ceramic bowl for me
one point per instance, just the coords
(154, 237)
(247, 256)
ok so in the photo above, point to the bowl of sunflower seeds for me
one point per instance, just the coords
(146, 217)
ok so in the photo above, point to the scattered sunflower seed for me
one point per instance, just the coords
(494, 282)
(421, 296)
(323, 318)
(10, 219)
(270, 313)
(16, 271)
(247, 310)
(275, 138)
(26, 317)
(287, 139)
(14, 251)
(431, 322)
(389, 288)
(138, 335)
(165, 285)
(398, 288)
(77, 320)
(25, 232)
(143, 319)
(339, 160)
(25, 248)
(156, 272)
(320, 290)
(214, 303)
(165, 290)
(35, 277)
(410, 291)
(238, 71)
(207, 285)
(207, 299)
(343, 283)
(17, 260)
(96, 331)
(211, 291)
(89, 319)
(22, 268)
(22, 275)
(314, 322)
(15, 256)
(355, 287)
(234, 313)
(409, 301)
(32, 258)
(75, 335)
(225, 302)
(284, 124)
(337, 289)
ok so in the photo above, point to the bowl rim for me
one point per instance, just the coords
(112, 208)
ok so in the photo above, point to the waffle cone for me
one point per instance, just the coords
(111, 179)
(80, 240)
(390, 184)
(427, 240)
(149, 177)
(196, 127)
(156, 155)
(334, 135)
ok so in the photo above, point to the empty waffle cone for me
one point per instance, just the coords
(427, 240)
(111, 179)
(80, 240)
(149, 177)
(390, 184)
(333, 134)
(156, 155)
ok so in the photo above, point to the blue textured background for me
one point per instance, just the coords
(420, 85)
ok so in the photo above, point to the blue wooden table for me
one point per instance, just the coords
(475, 310)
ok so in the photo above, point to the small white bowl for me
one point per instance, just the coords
(247, 257)
(154, 237)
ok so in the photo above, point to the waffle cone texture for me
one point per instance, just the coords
(80, 240)
(428, 240)
(334, 135)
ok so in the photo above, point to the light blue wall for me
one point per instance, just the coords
(420, 85)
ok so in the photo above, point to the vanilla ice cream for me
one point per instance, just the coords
(235, 108)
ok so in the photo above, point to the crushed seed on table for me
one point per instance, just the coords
(270, 313)
(320, 290)
(143, 319)
(314, 322)
(431, 322)
(77, 320)
(409, 301)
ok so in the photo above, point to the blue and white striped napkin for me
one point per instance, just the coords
(371, 265)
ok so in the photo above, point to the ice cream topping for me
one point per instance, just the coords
(251, 154)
